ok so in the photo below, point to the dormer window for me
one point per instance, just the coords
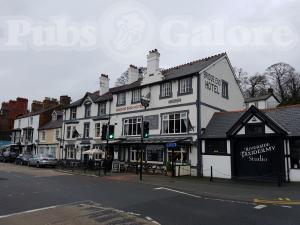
(136, 96)
(121, 99)
(88, 110)
(54, 116)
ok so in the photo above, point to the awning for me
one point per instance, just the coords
(158, 140)
(93, 152)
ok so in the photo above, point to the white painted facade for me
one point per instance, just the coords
(211, 81)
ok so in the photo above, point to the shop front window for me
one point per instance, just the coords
(215, 146)
(180, 155)
(295, 153)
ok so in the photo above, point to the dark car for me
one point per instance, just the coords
(1, 157)
(9, 156)
(23, 159)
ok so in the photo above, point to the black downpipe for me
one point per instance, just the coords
(199, 145)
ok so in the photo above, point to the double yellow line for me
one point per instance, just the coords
(280, 201)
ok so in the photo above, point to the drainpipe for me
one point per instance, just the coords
(199, 145)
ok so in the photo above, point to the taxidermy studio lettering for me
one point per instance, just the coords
(212, 83)
(254, 153)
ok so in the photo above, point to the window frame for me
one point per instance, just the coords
(43, 135)
(248, 125)
(137, 127)
(190, 83)
(214, 141)
(68, 130)
(163, 90)
(97, 130)
(225, 89)
(73, 111)
(118, 99)
(165, 119)
(99, 108)
(88, 108)
(133, 92)
(86, 130)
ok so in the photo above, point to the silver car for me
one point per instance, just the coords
(42, 160)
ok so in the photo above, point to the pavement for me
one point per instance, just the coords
(46, 196)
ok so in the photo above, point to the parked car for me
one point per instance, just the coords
(42, 160)
(9, 156)
(23, 159)
(1, 157)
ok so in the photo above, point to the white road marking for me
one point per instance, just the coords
(176, 191)
(205, 198)
(286, 206)
(151, 220)
(260, 206)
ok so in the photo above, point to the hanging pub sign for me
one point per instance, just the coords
(259, 157)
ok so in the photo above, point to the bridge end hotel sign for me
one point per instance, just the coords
(215, 85)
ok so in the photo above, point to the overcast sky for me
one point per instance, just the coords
(107, 36)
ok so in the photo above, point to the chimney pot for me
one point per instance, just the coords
(104, 84)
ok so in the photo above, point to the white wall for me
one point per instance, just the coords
(295, 174)
(221, 166)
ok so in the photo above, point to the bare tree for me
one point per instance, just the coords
(292, 85)
(123, 79)
(242, 78)
(279, 73)
(257, 85)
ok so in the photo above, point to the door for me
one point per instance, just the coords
(258, 158)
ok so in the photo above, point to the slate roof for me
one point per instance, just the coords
(287, 117)
(37, 112)
(171, 73)
(191, 67)
(258, 98)
(53, 124)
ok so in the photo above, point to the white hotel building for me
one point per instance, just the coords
(182, 101)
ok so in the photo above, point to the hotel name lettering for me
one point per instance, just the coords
(212, 83)
(257, 153)
(128, 108)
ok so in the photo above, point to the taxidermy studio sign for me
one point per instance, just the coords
(257, 153)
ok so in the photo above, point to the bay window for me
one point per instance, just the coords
(175, 123)
(180, 155)
(132, 126)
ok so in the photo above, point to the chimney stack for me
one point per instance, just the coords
(49, 102)
(270, 91)
(133, 74)
(64, 100)
(104, 84)
(36, 106)
(153, 62)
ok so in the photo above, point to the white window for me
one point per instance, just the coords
(132, 126)
(174, 123)
(43, 135)
(166, 90)
(88, 110)
(185, 86)
(56, 134)
(102, 109)
(180, 155)
(86, 130)
(224, 89)
(133, 155)
(121, 99)
(71, 153)
(73, 113)
(136, 96)
(69, 132)
(97, 130)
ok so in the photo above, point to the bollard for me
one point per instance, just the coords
(211, 174)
